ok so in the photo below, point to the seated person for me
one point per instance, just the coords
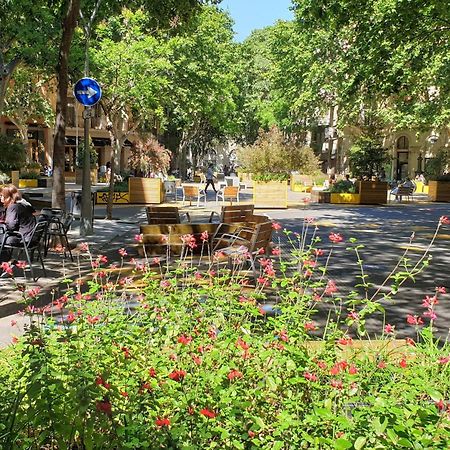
(407, 183)
(19, 215)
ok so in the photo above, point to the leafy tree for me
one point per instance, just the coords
(149, 156)
(28, 100)
(273, 153)
(201, 104)
(12, 153)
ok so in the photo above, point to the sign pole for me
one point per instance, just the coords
(86, 225)
(88, 92)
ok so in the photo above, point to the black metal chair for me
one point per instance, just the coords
(28, 247)
(58, 227)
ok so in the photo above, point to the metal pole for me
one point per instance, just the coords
(86, 226)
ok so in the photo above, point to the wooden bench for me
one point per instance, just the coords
(403, 191)
(164, 215)
(235, 213)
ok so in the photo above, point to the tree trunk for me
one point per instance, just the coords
(68, 27)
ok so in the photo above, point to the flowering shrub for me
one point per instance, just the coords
(203, 357)
(149, 156)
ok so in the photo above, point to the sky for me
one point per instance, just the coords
(250, 15)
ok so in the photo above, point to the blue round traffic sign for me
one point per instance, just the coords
(87, 91)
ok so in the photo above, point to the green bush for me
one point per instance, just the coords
(343, 186)
(12, 153)
(29, 176)
(192, 358)
(272, 157)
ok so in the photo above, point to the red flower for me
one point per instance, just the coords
(444, 220)
(234, 374)
(389, 329)
(330, 288)
(381, 365)
(241, 343)
(152, 372)
(104, 407)
(310, 376)
(283, 336)
(310, 326)
(337, 384)
(335, 238)
(185, 340)
(207, 413)
(177, 375)
(197, 360)
(162, 422)
(410, 342)
(276, 226)
(403, 364)
(318, 252)
(92, 320)
(276, 251)
(352, 370)
(345, 340)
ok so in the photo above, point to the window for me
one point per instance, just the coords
(402, 143)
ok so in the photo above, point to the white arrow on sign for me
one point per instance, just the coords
(89, 92)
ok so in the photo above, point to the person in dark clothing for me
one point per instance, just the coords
(210, 178)
(19, 214)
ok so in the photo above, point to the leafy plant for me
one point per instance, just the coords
(4, 178)
(92, 154)
(12, 153)
(272, 155)
(144, 355)
(343, 186)
(29, 175)
(436, 168)
(149, 157)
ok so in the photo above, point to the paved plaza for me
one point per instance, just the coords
(384, 231)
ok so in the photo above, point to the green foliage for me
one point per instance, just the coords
(436, 168)
(29, 175)
(173, 368)
(12, 154)
(343, 186)
(93, 155)
(367, 157)
(273, 154)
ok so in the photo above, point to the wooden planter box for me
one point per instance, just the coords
(270, 194)
(372, 192)
(344, 197)
(439, 191)
(15, 177)
(79, 176)
(246, 178)
(320, 197)
(119, 198)
(28, 183)
(301, 183)
(145, 190)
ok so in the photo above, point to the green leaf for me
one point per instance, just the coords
(342, 444)
(359, 443)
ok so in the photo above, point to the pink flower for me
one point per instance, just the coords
(440, 405)
(309, 219)
(139, 238)
(310, 376)
(414, 320)
(197, 360)
(353, 315)
(330, 288)
(123, 252)
(276, 226)
(430, 314)
(204, 236)
(165, 284)
(389, 329)
(310, 326)
(189, 240)
(429, 302)
(352, 370)
(337, 384)
(381, 365)
(441, 290)
(444, 220)
(276, 251)
(335, 238)
(283, 336)
(345, 340)
(318, 252)
(21, 264)
(13, 322)
(84, 247)
(6, 267)
(164, 239)
(234, 374)
(241, 343)
(444, 360)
